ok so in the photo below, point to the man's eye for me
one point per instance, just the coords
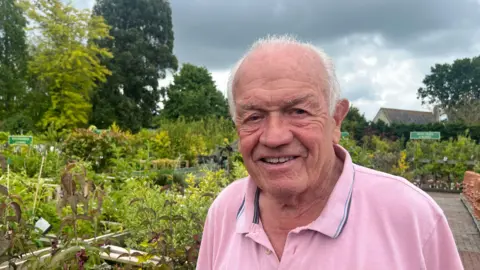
(253, 118)
(299, 111)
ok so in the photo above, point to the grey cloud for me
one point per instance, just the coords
(363, 89)
(215, 32)
(445, 43)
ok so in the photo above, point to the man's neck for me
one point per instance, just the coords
(284, 215)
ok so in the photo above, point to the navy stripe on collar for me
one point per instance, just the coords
(242, 208)
(347, 207)
(256, 207)
(341, 226)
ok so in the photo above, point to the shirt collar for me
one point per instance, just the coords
(334, 216)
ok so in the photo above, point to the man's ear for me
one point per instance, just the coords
(341, 110)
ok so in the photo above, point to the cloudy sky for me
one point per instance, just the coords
(382, 48)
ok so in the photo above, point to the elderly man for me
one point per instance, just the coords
(305, 205)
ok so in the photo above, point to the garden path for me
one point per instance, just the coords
(467, 236)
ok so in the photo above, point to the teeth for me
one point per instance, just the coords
(278, 160)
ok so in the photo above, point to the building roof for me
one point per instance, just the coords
(408, 116)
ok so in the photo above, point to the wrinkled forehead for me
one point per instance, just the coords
(281, 62)
(255, 102)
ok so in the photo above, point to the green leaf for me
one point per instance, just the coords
(136, 200)
(148, 210)
(18, 211)
(211, 195)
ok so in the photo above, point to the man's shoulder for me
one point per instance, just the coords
(394, 192)
(229, 200)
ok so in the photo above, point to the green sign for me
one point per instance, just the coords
(425, 135)
(20, 140)
(345, 134)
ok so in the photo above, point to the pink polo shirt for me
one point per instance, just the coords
(372, 221)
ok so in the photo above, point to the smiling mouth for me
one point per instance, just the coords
(279, 160)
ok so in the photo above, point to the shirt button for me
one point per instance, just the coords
(268, 251)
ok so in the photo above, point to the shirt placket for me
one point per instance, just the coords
(266, 255)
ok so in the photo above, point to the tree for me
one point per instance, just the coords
(65, 61)
(13, 58)
(193, 95)
(355, 123)
(143, 49)
(467, 112)
(455, 88)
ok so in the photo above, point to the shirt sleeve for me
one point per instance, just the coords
(440, 251)
(206, 253)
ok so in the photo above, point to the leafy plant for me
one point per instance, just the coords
(167, 221)
(15, 234)
(77, 190)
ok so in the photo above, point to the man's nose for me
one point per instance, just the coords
(276, 132)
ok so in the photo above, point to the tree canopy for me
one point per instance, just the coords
(193, 95)
(65, 61)
(143, 52)
(455, 88)
(13, 58)
(103, 66)
(354, 123)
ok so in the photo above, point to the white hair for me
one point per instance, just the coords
(333, 92)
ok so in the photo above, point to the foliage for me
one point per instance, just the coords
(176, 141)
(453, 86)
(112, 176)
(168, 221)
(354, 123)
(33, 111)
(18, 123)
(402, 166)
(239, 171)
(98, 149)
(65, 59)
(384, 154)
(189, 139)
(360, 154)
(443, 160)
(24, 238)
(13, 59)
(77, 190)
(143, 49)
(193, 95)
(27, 161)
(15, 234)
(447, 130)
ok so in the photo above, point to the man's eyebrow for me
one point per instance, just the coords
(248, 106)
(298, 100)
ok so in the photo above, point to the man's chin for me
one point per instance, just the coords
(283, 189)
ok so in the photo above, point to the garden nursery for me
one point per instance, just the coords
(109, 199)
(102, 167)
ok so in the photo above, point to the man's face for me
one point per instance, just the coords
(285, 130)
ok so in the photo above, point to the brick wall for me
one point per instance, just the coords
(471, 190)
